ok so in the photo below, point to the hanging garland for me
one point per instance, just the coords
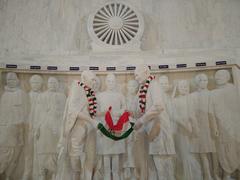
(112, 136)
(143, 92)
(92, 100)
(124, 118)
(92, 107)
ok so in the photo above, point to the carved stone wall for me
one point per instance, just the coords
(32, 30)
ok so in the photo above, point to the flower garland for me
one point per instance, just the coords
(92, 100)
(143, 92)
(92, 107)
(112, 136)
(124, 118)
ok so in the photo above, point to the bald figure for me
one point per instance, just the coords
(13, 116)
(161, 146)
(77, 126)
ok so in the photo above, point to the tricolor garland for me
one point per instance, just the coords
(92, 100)
(124, 118)
(92, 107)
(143, 92)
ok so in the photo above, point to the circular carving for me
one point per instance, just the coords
(115, 24)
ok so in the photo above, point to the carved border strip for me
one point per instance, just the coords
(153, 67)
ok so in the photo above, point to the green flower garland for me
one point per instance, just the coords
(112, 136)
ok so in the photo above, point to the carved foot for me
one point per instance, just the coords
(216, 177)
(25, 178)
(228, 177)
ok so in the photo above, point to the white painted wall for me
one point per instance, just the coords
(55, 31)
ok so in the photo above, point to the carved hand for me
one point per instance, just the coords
(60, 149)
(216, 133)
(94, 123)
(54, 131)
(37, 134)
(138, 124)
(189, 127)
(195, 131)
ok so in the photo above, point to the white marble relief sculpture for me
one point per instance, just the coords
(30, 169)
(226, 105)
(78, 122)
(13, 118)
(110, 150)
(129, 163)
(92, 162)
(203, 143)
(154, 116)
(48, 129)
(187, 166)
(165, 92)
(97, 86)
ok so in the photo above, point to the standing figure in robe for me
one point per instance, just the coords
(226, 105)
(78, 122)
(48, 129)
(97, 86)
(30, 169)
(183, 130)
(153, 116)
(109, 149)
(204, 141)
(13, 118)
(95, 159)
(165, 88)
(133, 152)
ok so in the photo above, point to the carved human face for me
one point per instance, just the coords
(183, 87)
(132, 87)
(97, 85)
(91, 80)
(164, 83)
(141, 74)
(36, 83)
(111, 82)
(202, 81)
(12, 80)
(52, 84)
(221, 77)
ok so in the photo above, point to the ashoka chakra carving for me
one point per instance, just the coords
(116, 24)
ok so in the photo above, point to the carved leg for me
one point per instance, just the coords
(43, 174)
(238, 174)
(88, 174)
(107, 167)
(13, 160)
(88, 168)
(215, 166)
(226, 176)
(98, 175)
(115, 167)
(76, 167)
(205, 167)
(130, 173)
(164, 166)
(127, 173)
(54, 176)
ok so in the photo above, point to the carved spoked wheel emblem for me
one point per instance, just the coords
(115, 24)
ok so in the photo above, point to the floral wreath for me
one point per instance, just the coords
(143, 92)
(92, 107)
